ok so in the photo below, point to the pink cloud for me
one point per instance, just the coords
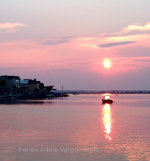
(28, 54)
(137, 27)
(39, 56)
(127, 37)
(10, 27)
(78, 54)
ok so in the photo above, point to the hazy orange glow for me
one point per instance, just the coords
(107, 121)
(107, 63)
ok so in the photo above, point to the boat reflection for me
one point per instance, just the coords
(107, 121)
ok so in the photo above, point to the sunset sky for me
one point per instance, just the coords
(67, 42)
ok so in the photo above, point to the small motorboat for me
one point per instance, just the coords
(107, 99)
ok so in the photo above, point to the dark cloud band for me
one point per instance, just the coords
(107, 45)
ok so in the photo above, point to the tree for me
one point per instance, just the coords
(41, 86)
(49, 88)
(2, 84)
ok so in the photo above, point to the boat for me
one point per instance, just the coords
(107, 99)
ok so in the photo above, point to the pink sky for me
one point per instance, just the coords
(76, 60)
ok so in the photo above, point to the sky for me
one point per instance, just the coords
(67, 42)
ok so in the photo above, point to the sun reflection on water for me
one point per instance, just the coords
(107, 121)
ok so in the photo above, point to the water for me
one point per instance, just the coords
(78, 128)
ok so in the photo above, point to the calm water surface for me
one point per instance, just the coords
(78, 128)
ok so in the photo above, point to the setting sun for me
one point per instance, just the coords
(107, 64)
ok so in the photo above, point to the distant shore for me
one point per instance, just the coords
(76, 92)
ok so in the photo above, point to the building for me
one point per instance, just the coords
(10, 79)
(33, 85)
(13, 87)
(7, 83)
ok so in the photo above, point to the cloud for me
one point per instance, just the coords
(132, 34)
(136, 27)
(129, 30)
(116, 44)
(129, 35)
(10, 27)
(56, 41)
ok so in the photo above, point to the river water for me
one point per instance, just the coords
(78, 128)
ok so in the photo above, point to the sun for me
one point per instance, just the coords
(107, 63)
